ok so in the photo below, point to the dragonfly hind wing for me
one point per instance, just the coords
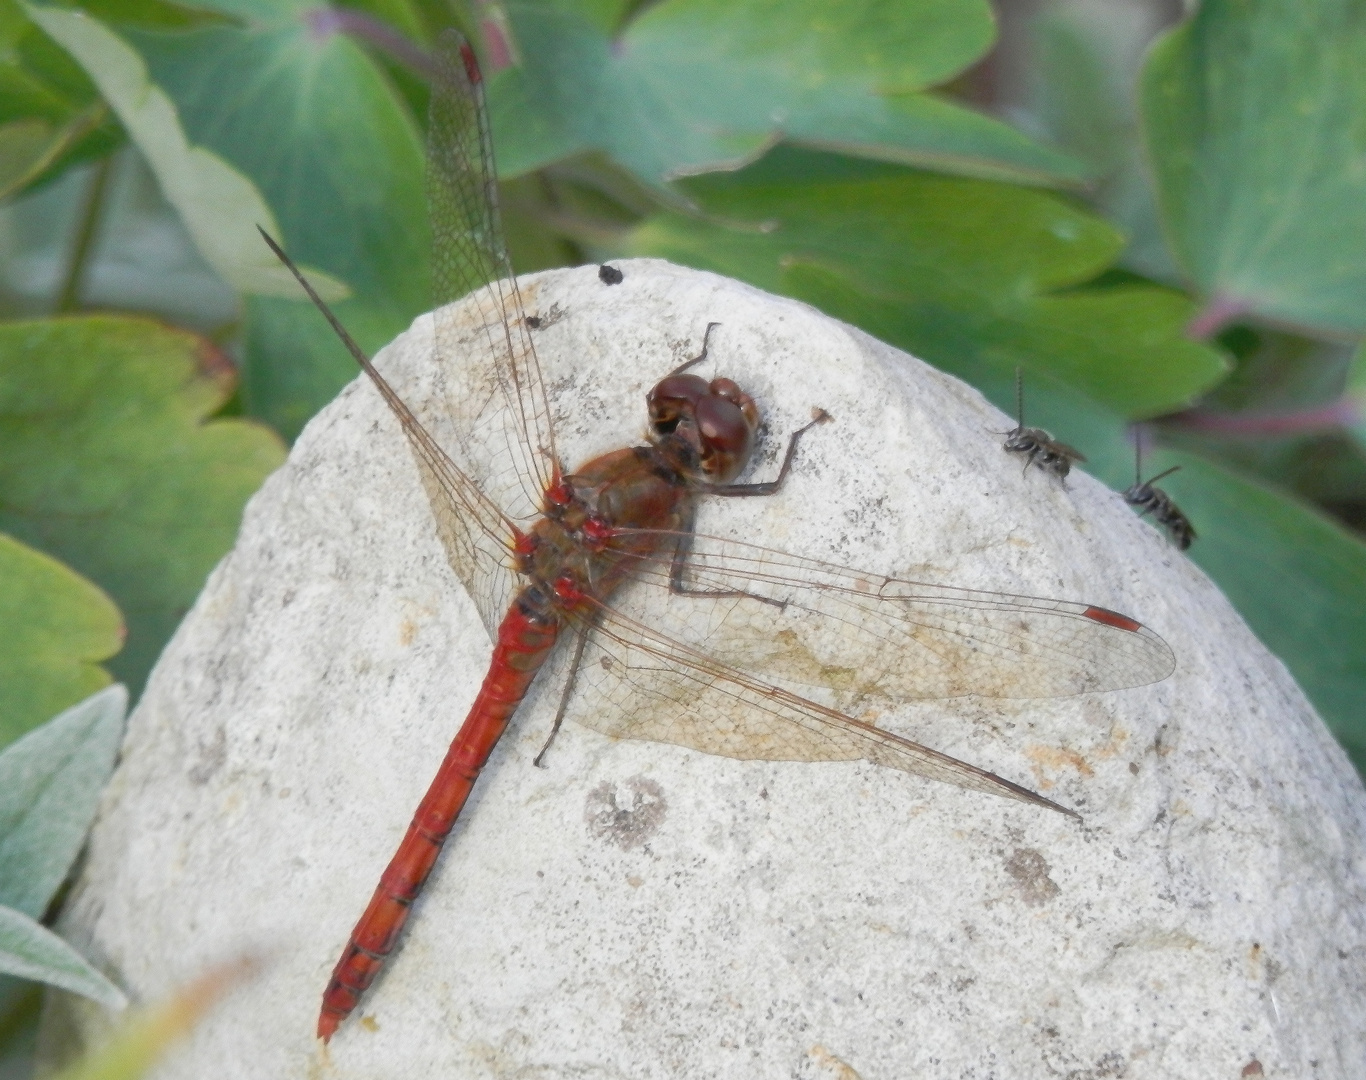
(476, 538)
(636, 684)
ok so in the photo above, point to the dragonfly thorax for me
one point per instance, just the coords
(705, 430)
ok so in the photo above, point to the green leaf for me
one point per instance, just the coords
(323, 135)
(1296, 576)
(51, 113)
(55, 628)
(693, 86)
(1256, 126)
(50, 785)
(1083, 65)
(31, 951)
(113, 466)
(30, 148)
(219, 206)
(948, 269)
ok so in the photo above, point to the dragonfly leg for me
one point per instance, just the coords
(679, 564)
(706, 337)
(580, 641)
(769, 487)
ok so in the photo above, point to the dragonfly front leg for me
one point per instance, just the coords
(679, 564)
(770, 487)
(767, 487)
(706, 337)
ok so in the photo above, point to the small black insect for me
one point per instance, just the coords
(1146, 499)
(550, 318)
(1038, 447)
(609, 275)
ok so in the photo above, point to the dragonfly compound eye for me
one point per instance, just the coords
(730, 390)
(726, 436)
(672, 399)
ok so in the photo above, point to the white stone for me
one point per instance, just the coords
(641, 910)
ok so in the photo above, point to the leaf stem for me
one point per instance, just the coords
(324, 21)
(87, 230)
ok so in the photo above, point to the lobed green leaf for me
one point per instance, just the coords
(312, 122)
(693, 86)
(55, 628)
(114, 467)
(1255, 112)
(219, 206)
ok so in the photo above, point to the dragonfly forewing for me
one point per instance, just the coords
(864, 635)
(505, 407)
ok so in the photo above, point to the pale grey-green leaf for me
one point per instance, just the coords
(32, 951)
(50, 783)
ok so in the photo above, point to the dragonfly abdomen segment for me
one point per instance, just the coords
(525, 638)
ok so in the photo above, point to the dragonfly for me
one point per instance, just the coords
(543, 550)
(1038, 446)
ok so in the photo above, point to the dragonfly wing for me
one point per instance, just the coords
(863, 634)
(637, 684)
(473, 530)
(504, 438)
(477, 538)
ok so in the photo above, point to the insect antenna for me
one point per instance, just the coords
(1138, 462)
(1019, 397)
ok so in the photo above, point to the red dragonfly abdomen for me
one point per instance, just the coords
(524, 640)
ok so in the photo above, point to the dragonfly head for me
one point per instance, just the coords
(706, 429)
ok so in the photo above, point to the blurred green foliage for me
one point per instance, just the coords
(113, 466)
(1156, 223)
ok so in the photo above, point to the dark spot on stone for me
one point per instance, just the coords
(212, 757)
(626, 814)
(1030, 872)
(1253, 1068)
(609, 275)
(1133, 767)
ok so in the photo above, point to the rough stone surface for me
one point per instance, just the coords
(640, 910)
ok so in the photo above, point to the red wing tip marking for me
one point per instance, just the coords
(1113, 618)
(471, 64)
